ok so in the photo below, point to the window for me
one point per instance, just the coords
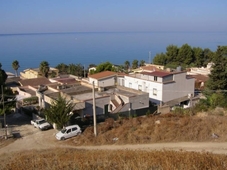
(68, 131)
(155, 78)
(154, 92)
(74, 129)
(140, 87)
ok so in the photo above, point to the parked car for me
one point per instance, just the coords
(68, 132)
(42, 124)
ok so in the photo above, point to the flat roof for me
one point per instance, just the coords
(157, 73)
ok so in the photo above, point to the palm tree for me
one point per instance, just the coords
(135, 64)
(44, 68)
(142, 63)
(15, 65)
(127, 65)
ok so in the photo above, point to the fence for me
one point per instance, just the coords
(132, 113)
(4, 131)
(101, 118)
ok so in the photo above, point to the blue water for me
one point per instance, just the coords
(95, 48)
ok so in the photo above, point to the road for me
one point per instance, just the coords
(32, 138)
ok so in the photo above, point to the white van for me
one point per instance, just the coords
(68, 132)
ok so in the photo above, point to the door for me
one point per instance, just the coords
(68, 133)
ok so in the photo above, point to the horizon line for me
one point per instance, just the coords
(36, 33)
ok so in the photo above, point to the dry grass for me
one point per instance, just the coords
(71, 159)
(152, 129)
(172, 128)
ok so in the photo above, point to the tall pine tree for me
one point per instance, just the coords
(218, 77)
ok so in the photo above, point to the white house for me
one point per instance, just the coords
(103, 79)
(203, 71)
(163, 87)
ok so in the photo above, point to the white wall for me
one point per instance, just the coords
(147, 86)
(106, 82)
(180, 87)
(91, 80)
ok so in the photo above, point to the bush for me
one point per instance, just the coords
(202, 106)
(218, 99)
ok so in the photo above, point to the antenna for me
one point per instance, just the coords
(149, 60)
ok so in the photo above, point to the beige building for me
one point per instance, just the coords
(35, 73)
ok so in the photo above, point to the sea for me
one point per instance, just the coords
(87, 48)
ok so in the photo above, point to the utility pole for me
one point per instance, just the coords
(94, 109)
(84, 71)
(3, 108)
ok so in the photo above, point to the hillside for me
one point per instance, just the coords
(154, 145)
(159, 128)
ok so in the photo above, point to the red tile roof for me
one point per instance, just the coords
(157, 73)
(150, 68)
(102, 75)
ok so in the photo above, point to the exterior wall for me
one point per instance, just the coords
(179, 88)
(91, 80)
(159, 92)
(168, 78)
(22, 94)
(121, 81)
(146, 86)
(163, 109)
(100, 106)
(29, 74)
(139, 101)
(106, 82)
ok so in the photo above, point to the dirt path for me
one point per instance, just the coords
(32, 138)
(219, 148)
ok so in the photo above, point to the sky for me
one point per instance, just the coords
(50, 16)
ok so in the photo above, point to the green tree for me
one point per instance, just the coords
(198, 56)
(63, 68)
(127, 65)
(72, 69)
(44, 68)
(160, 59)
(208, 56)
(135, 64)
(79, 70)
(185, 55)
(59, 111)
(3, 75)
(171, 53)
(10, 100)
(15, 66)
(106, 66)
(218, 77)
(142, 63)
